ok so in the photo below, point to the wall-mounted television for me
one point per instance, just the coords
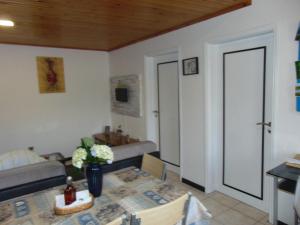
(121, 94)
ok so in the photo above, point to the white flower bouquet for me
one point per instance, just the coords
(89, 152)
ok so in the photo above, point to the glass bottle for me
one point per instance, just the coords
(70, 192)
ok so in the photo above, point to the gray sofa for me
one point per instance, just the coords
(42, 175)
(124, 156)
(131, 155)
(131, 150)
(31, 178)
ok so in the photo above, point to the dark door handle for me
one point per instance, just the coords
(269, 124)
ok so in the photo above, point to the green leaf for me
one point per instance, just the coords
(87, 142)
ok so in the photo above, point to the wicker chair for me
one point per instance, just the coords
(154, 166)
(168, 214)
(119, 221)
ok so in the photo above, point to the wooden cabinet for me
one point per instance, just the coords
(114, 139)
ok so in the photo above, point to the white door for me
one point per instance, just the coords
(247, 86)
(168, 115)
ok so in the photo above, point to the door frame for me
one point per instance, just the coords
(159, 129)
(261, 197)
(214, 105)
(150, 61)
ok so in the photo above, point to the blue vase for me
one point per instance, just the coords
(94, 177)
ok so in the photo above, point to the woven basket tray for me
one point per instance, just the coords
(69, 210)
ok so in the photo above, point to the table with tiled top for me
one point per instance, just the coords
(124, 192)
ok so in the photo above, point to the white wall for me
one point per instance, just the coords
(51, 122)
(281, 14)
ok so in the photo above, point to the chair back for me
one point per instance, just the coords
(119, 221)
(297, 198)
(154, 166)
(168, 214)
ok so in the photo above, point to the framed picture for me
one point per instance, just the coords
(50, 71)
(190, 66)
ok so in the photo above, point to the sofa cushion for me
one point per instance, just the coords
(131, 150)
(31, 173)
(18, 158)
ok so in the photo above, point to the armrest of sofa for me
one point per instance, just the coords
(132, 150)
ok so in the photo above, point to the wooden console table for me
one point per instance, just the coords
(114, 139)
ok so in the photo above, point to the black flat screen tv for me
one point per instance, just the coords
(121, 94)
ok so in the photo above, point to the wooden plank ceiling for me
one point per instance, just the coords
(102, 24)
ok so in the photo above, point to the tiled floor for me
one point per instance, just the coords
(225, 210)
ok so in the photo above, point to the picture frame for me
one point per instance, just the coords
(190, 66)
(50, 72)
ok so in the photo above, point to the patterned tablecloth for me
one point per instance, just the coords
(124, 191)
